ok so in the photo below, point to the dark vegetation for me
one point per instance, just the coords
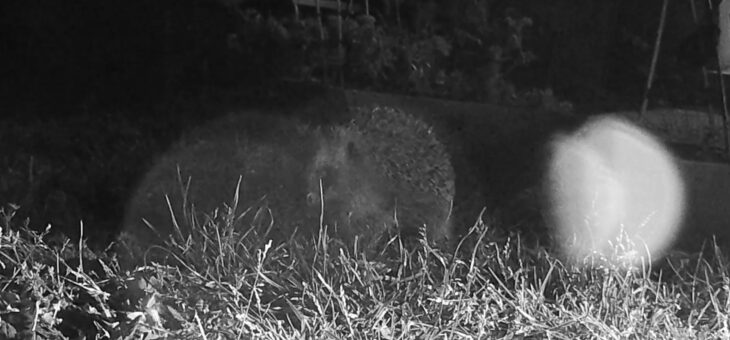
(92, 93)
(60, 58)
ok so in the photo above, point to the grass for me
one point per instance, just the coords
(225, 281)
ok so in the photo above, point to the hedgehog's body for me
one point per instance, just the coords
(211, 160)
(384, 169)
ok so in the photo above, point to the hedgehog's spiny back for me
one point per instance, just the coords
(382, 166)
(405, 149)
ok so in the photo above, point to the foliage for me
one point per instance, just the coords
(467, 53)
(134, 52)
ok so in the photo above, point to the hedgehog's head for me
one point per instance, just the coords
(344, 183)
(335, 161)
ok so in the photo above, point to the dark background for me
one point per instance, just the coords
(91, 92)
(59, 56)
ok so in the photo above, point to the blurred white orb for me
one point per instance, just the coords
(614, 190)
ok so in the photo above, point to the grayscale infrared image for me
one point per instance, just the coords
(364, 169)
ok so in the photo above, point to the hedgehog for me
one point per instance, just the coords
(213, 158)
(383, 171)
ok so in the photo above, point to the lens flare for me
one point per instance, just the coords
(615, 191)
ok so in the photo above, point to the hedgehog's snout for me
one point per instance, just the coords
(313, 199)
(317, 191)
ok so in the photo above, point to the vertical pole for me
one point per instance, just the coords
(725, 114)
(321, 40)
(296, 10)
(340, 48)
(723, 13)
(654, 57)
(693, 7)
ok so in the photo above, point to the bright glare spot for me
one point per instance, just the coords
(614, 191)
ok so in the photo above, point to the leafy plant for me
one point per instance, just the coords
(466, 52)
